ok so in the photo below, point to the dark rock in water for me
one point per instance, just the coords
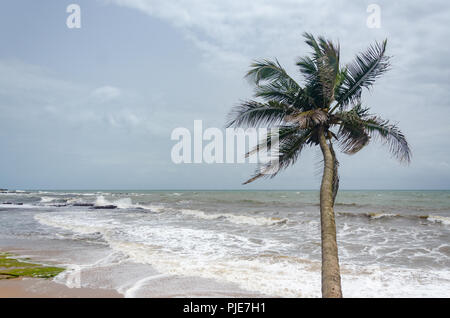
(83, 204)
(7, 203)
(19, 203)
(105, 207)
(58, 205)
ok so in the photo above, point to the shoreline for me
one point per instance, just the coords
(45, 288)
(174, 286)
(168, 245)
(21, 278)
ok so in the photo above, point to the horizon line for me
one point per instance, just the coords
(174, 189)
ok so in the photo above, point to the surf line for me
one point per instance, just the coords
(131, 292)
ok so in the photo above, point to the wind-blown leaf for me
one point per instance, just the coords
(269, 71)
(391, 135)
(277, 92)
(357, 127)
(362, 73)
(266, 144)
(321, 70)
(254, 114)
(352, 135)
(290, 148)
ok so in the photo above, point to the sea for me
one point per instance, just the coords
(232, 243)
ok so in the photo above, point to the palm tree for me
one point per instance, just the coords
(327, 109)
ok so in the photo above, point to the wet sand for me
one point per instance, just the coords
(44, 288)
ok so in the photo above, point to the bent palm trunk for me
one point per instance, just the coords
(331, 278)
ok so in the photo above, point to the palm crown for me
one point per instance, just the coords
(328, 103)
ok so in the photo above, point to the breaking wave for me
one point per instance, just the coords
(236, 219)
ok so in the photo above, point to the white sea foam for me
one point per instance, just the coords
(134, 289)
(381, 215)
(210, 253)
(73, 275)
(237, 219)
(47, 199)
(79, 223)
(439, 219)
(153, 207)
(101, 201)
(125, 203)
(20, 206)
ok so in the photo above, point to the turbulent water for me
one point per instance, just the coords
(233, 243)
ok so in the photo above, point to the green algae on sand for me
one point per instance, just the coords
(14, 268)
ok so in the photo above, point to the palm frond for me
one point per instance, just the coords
(313, 87)
(357, 127)
(289, 150)
(391, 135)
(321, 70)
(277, 92)
(254, 114)
(269, 71)
(266, 144)
(362, 73)
(329, 68)
(352, 135)
(312, 42)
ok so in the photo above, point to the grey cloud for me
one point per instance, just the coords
(118, 128)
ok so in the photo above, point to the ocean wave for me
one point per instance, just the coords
(350, 204)
(236, 219)
(19, 205)
(47, 199)
(70, 223)
(206, 242)
(439, 219)
(292, 276)
(125, 203)
(158, 208)
(224, 257)
(382, 215)
(264, 201)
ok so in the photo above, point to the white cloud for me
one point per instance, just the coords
(229, 34)
(32, 94)
(106, 93)
(234, 32)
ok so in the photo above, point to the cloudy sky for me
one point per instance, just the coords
(94, 108)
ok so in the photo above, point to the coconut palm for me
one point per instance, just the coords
(326, 109)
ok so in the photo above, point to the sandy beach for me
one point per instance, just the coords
(35, 280)
(44, 288)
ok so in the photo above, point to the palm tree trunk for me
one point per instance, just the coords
(331, 277)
